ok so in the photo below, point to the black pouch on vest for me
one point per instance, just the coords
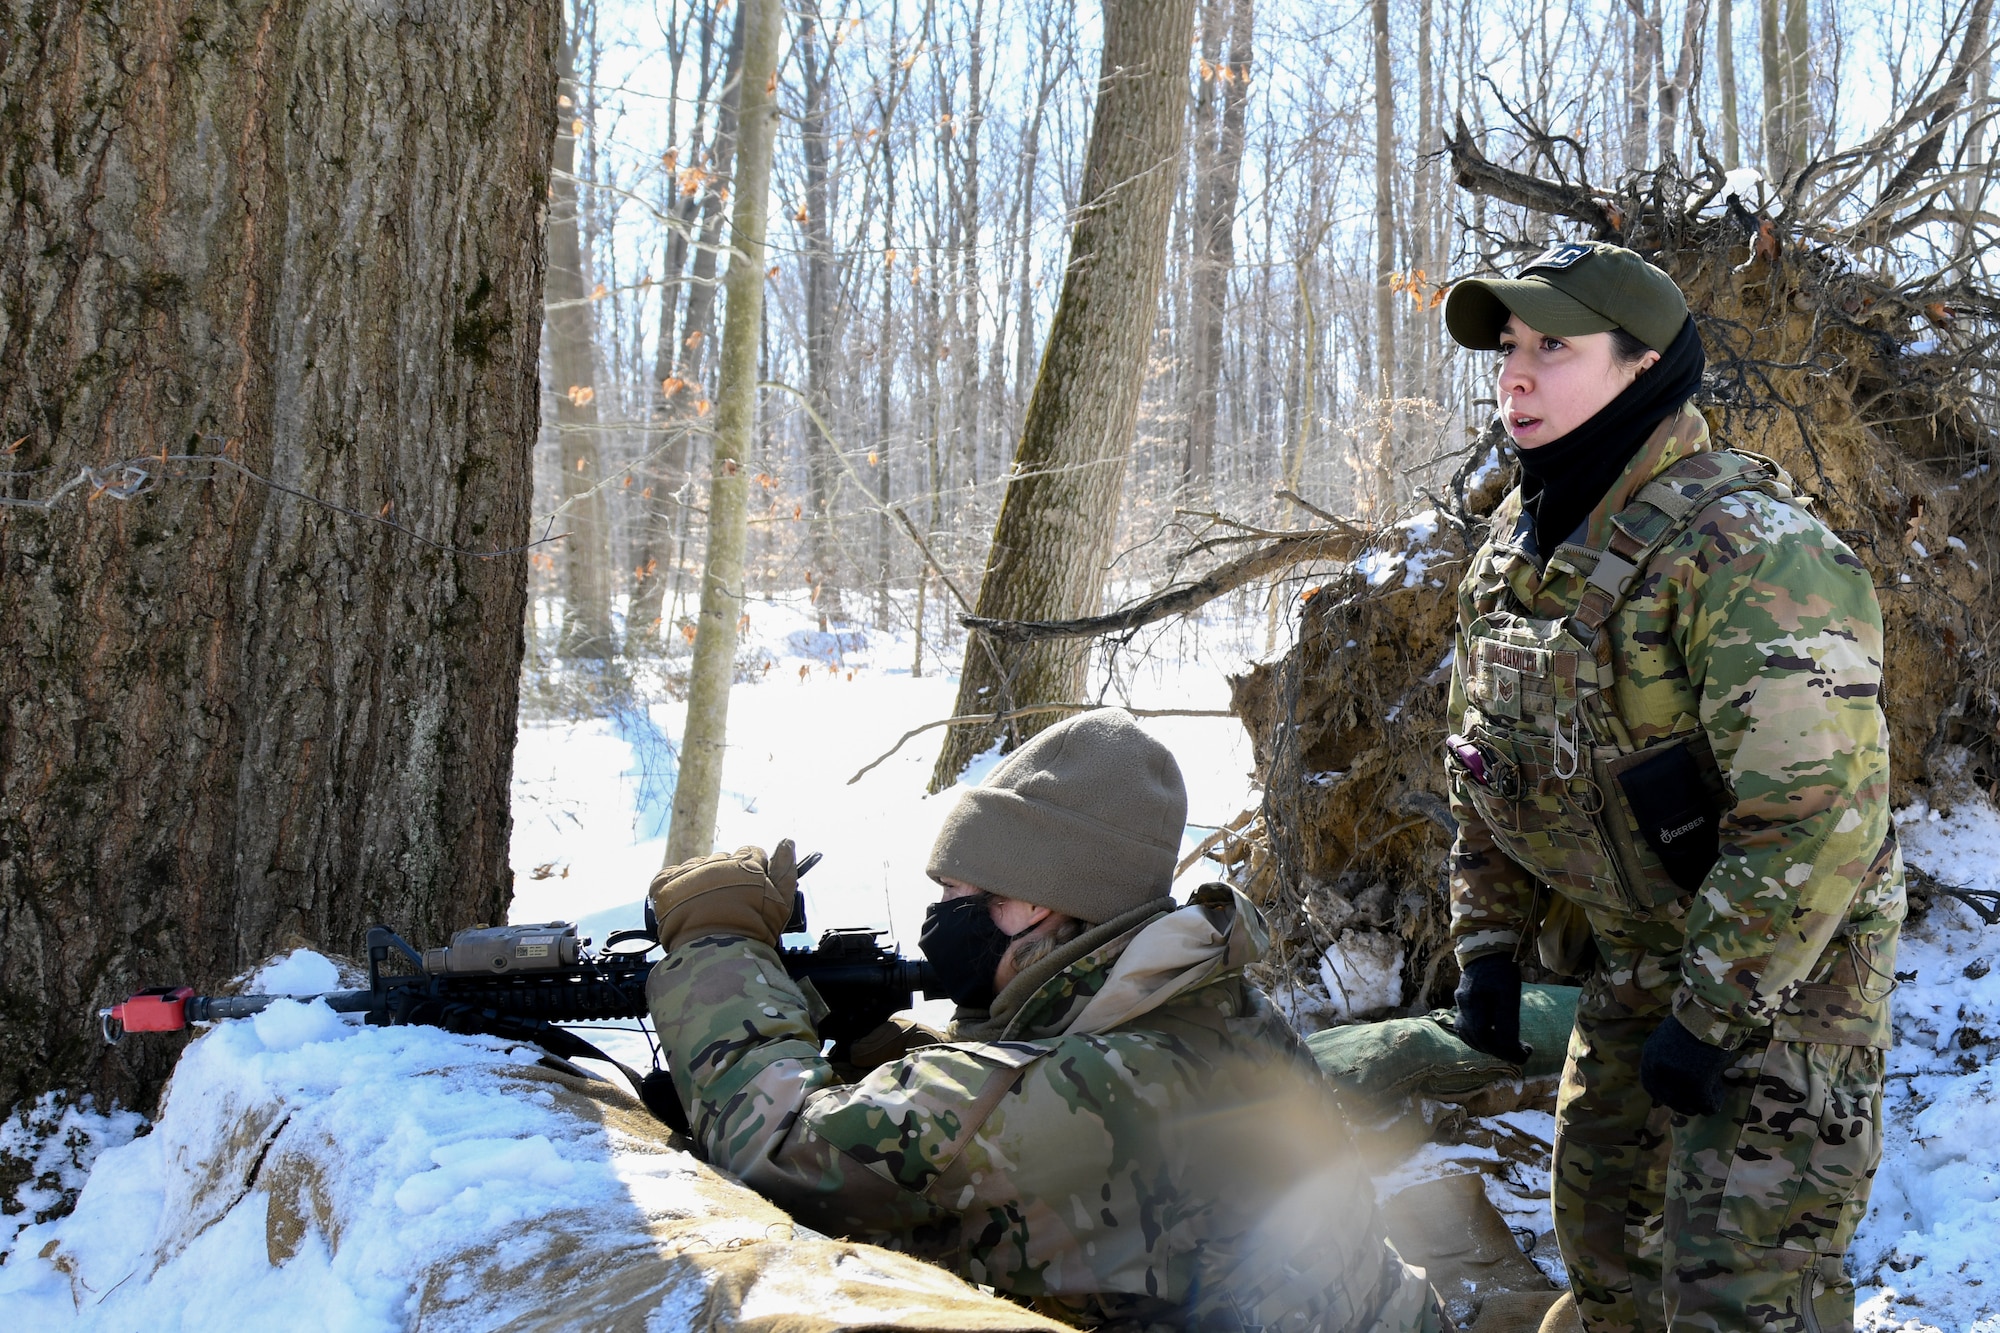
(1672, 806)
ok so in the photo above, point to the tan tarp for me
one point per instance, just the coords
(695, 1251)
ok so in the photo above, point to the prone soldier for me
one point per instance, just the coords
(1116, 1128)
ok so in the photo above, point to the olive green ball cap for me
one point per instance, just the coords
(1572, 288)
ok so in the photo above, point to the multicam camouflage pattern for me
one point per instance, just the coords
(1166, 1163)
(1754, 637)
(1725, 1222)
(1749, 633)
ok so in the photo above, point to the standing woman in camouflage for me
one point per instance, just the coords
(1669, 768)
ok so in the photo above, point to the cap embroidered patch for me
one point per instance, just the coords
(1560, 256)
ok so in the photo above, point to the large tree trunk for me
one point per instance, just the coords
(586, 632)
(302, 241)
(1059, 512)
(698, 790)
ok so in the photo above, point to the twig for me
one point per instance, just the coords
(930, 559)
(994, 719)
(840, 454)
(1227, 831)
(1336, 520)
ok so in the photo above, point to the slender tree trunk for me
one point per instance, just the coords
(816, 67)
(1057, 516)
(1429, 227)
(698, 791)
(1687, 68)
(661, 509)
(586, 632)
(965, 345)
(1777, 101)
(885, 371)
(683, 392)
(305, 244)
(1725, 82)
(1798, 85)
(1383, 461)
(1218, 127)
(1642, 63)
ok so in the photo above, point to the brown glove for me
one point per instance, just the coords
(729, 893)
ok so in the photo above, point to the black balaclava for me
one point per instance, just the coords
(964, 946)
(1562, 481)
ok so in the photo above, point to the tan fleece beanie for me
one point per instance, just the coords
(1086, 818)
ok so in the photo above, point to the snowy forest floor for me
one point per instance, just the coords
(591, 799)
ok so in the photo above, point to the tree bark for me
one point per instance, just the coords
(698, 790)
(1057, 516)
(305, 240)
(586, 631)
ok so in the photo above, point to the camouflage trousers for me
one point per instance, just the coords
(1728, 1222)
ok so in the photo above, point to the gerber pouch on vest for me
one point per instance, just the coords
(1672, 799)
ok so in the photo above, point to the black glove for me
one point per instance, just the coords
(1679, 1070)
(1489, 1008)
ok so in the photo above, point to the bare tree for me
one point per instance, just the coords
(1725, 80)
(1383, 429)
(1218, 158)
(586, 632)
(698, 790)
(1056, 521)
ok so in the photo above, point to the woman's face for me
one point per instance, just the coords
(1549, 386)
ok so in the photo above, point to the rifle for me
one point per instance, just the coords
(521, 981)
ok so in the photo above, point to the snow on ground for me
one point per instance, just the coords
(436, 1154)
(53, 1143)
(1927, 1256)
(591, 804)
(1929, 1251)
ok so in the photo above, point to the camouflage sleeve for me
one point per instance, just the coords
(746, 1064)
(1491, 896)
(1782, 635)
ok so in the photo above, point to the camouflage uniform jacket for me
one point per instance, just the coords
(1124, 1139)
(1753, 637)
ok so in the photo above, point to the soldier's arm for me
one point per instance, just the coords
(1782, 637)
(1491, 896)
(745, 1061)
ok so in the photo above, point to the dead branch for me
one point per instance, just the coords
(994, 719)
(1294, 549)
(1334, 520)
(1472, 171)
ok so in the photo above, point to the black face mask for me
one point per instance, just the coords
(964, 945)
